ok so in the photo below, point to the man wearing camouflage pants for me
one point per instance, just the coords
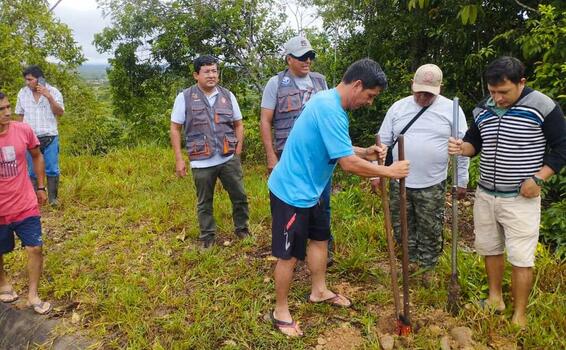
(425, 146)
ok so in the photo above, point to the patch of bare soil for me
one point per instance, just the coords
(345, 337)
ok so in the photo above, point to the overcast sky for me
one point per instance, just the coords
(85, 19)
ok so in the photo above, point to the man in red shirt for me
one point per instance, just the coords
(19, 203)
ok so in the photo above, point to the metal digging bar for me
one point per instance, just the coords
(454, 286)
(406, 317)
(390, 242)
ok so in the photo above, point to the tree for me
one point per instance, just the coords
(545, 43)
(154, 44)
(458, 35)
(29, 34)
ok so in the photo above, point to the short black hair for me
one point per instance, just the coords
(368, 71)
(2, 95)
(34, 70)
(206, 60)
(505, 67)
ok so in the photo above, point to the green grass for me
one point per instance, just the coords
(121, 252)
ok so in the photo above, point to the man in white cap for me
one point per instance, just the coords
(283, 99)
(425, 146)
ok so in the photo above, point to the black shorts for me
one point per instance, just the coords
(291, 227)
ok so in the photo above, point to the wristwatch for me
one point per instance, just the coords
(41, 189)
(538, 180)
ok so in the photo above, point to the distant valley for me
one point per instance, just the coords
(93, 71)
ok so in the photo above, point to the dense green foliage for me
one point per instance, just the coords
(154, 43)
(459, 36)
(29, 34)
(545, 42)
(122, 252)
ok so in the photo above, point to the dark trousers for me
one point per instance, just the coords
(325, 203)
(231, 177)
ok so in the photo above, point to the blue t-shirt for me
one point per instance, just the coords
(318, 139)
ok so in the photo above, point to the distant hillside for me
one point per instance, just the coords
(93, 71)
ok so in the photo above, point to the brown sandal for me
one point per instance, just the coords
(333, 300)
(8, 296)
(40, 308)
(281, 325)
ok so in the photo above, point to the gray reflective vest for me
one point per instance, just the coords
(209, 129)
(290, 103)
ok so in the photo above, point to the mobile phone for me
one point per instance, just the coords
(41, 81)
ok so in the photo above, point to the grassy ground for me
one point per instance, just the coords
(123, 267)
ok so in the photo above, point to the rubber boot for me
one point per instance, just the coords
(52, 189)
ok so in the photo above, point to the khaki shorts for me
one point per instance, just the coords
(510, 223)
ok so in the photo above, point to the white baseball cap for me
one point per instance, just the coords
(297, 46)
(428, 78)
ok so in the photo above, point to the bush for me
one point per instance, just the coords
(95, 135)
(553, 220)
(88, 127)
(553, 226)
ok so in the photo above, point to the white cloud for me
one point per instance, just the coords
(85, 19)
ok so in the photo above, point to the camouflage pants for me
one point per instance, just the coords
(425, 221)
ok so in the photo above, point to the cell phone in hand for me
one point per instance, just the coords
(41, 81)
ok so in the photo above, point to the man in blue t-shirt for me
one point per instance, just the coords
(319, 140)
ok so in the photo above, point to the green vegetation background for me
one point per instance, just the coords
(121, 247)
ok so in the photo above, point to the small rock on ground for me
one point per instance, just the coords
(387, 342)
(463, 336)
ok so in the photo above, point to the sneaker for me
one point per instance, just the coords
(242, 232)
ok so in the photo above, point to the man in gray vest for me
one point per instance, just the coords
(214, 134)
(283, 99)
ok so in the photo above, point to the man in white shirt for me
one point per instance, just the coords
(39, 104)
(426, 144)
(214, 132)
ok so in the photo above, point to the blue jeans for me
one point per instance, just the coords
(51, 158)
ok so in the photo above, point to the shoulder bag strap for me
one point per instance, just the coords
(409, 125)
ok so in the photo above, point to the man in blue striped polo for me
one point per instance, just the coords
(512, 129)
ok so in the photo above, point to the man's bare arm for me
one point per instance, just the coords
(39, 169)
(239, 130)
(361, 167)
(175, 135)
(265, 126)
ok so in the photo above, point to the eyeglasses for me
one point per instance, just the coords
(309, 55)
